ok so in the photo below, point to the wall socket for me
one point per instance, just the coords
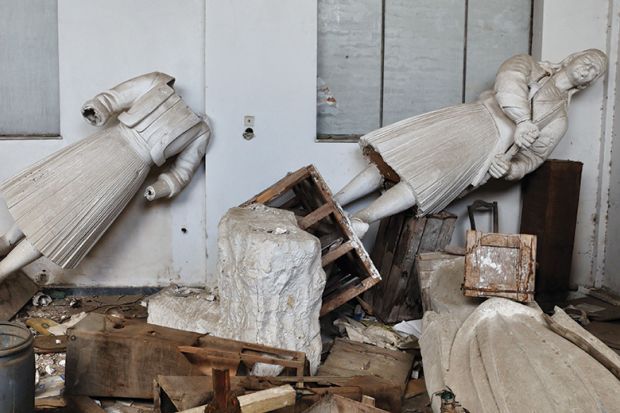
(248, 126)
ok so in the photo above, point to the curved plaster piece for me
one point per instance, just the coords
(504, 358)
(507, 133)
(65, 203)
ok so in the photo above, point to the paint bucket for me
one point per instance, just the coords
(16, 369)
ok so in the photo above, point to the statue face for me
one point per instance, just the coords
(583, 70)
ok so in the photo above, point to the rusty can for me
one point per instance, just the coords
(16, 369)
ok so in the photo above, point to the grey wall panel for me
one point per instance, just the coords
(423, 56)
(29, 70)
(495, 31)
(349, 65)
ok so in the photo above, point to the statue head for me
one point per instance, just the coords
(583, 68)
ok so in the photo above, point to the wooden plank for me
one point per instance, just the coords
(15, 291)
(333, 255)
(349, 66)
(424, 43)
(278, 188)
(495, 32)
(332, 302)
(315, 216)
(267, 400)
(348, 358)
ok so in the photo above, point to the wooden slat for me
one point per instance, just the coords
(315, 216)
(279, 187)
(267, 400)
(334, 302)
(83, 404)
(336, 253)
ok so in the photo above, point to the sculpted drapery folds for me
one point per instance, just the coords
(63, 204)
(507, 133)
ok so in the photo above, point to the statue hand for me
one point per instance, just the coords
(159, 189)
(525, 134)
(499, 166)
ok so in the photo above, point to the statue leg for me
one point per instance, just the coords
(23, 254)
(9, 239)
(396, 199)
(367, 181)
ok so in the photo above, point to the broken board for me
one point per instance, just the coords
(349, 358)
(15, 291)
(348, 266)
(500, 265)
(400, 239)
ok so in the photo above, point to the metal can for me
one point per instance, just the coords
(16, 369)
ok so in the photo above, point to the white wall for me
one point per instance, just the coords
(102, 43)
(261, 61)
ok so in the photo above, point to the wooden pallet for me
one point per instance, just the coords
(348, 266)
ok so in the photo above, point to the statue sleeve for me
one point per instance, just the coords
(512, 87)
(182, 169)
(98, 110)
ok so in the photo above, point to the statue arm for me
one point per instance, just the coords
(178, 175)
(98, 110)
(512, 87)
(528, 159)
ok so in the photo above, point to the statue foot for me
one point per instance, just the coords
(359, 227)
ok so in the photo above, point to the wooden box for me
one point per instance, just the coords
(108, 357)
(500, 265)
(348, 266)
(550, 204)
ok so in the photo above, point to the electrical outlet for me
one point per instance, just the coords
(248, 121)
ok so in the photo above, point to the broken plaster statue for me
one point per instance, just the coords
(504, 357)
(63, 204)
(507, 133)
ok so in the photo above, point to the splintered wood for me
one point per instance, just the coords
(500, 265)
(348, 266)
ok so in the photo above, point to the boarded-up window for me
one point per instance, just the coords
(380, 61)
(29, 102)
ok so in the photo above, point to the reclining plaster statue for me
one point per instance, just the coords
(63, 204)
(507, 133)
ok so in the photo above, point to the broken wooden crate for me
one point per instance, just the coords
(400, 239)
(500, 265)
(348, 266)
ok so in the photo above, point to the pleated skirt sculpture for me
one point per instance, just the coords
(510, 131)
(63, 204)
